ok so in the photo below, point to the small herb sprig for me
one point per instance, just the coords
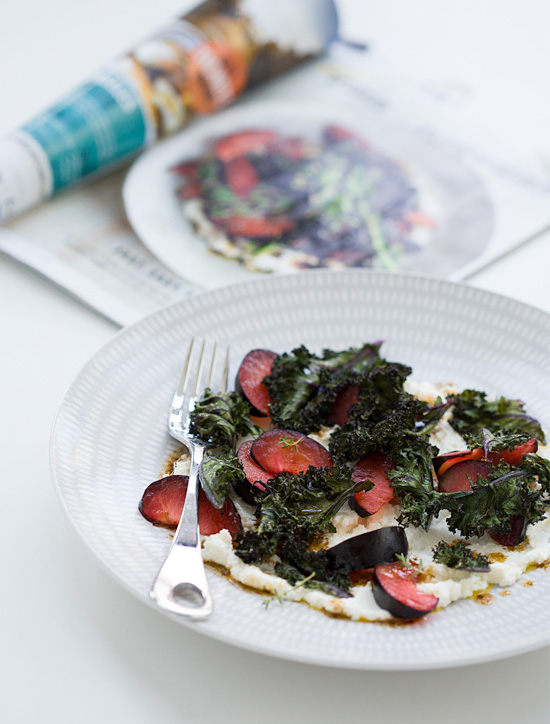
(281, 597)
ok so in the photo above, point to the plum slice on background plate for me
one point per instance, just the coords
(395, 591)
(369, 549)
(372, 468)
(288, 451)
(162, 504)
(254, 368)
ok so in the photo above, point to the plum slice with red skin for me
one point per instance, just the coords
(288, 451)
(256, 477)
(516, 534)
(455, 456)
(458, 477)
(240, 175)
(369, 549)
(372, 468)
(162, 504)
(242, 142)
(253, 370)
(255, 226)
(514, 456)
(340, 407)
(395, 591)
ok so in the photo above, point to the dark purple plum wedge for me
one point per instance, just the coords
(516, 534)
(254, 368)
(395, 591)
(369, 549)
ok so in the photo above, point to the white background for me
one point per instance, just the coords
(75, 646)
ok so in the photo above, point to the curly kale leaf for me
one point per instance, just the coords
(218, 473)
(473, 411)
(492, 504)
(412, 483)
(222, 418)
(537, 469)
(458, 555)
(298, 564)
(385, 418)
(303, 385)
(290, 512)
(494, 442)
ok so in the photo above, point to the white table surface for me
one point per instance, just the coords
(75, 646)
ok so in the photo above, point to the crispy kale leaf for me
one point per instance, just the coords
(303, 385)
(217, 474)
(290, 512)
(499, 440)
(459, 556)
(473, 411)
(383, 419)
(222, 418)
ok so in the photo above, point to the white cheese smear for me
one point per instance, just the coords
(507, 565)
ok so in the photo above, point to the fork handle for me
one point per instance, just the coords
(181, 586)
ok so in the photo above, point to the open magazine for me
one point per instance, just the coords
(480, 199)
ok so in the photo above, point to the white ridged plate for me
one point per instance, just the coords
(109, 441)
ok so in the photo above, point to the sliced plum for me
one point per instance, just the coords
(243, 142)
(254, 368)
(255, 226)
(340, 407)
(288, 451)
(514, 456)
(456, 455)
(240, 175)
(395, 591)
(476, 454)
(369, 549)
(460, 476)
(516, 534)
(162, 504)
(372, 468)
(256, 477)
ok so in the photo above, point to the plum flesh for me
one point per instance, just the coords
(372, 468)
(162, 504)
(395, 591)
(288, 451)
(254, 368)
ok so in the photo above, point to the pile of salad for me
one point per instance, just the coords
(324, 472)
(277, 202)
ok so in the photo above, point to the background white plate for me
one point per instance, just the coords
(448, 191)
(109, 441)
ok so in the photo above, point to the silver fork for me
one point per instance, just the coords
(181, 586)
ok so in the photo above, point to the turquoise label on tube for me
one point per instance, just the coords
(97, 124)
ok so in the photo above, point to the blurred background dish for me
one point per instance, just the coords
(413, 207)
